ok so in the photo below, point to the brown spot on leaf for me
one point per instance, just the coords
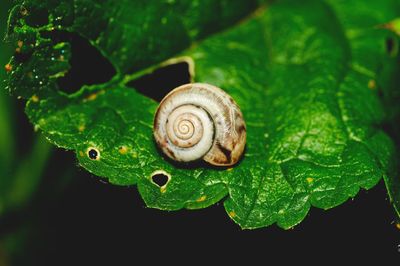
(8, 67)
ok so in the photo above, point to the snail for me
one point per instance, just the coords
(200, 121)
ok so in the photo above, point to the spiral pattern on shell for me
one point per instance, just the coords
(200, 121)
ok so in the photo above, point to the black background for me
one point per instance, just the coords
(96, 223)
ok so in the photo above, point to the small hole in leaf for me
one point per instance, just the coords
(163, 80)
(391, 46)
(88, 65)
(93, 154)
(381, 93)
(36, 17)
(160, 178)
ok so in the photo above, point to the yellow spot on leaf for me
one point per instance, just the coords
(17, 50)
(81, 153)
(398, 226)
(229, 169)
(163, 189)
(35, 98)
(232, 214)
(20, 43)
(310, 179)
(123, 150)
(201, 199)
(81, 128)
(91, 97)
(372, 84)
(24, 11)
(134, 155)
(61, 58)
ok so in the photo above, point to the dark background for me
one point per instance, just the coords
(93, 223)
(75, 218)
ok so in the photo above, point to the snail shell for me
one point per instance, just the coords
(200, 121)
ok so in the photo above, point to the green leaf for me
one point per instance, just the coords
(308, 77)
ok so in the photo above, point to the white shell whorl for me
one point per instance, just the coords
(197, 121)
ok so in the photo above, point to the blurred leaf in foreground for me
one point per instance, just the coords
(20, 174)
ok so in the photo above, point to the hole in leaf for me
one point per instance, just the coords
(160, 178)
(163, 80)
(36, 17)
(391, 46)
(381, 93)
(93, 154)
(88, 65)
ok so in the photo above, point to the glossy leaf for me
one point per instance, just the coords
(308, 76)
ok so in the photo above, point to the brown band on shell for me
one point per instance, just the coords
(226, 152)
